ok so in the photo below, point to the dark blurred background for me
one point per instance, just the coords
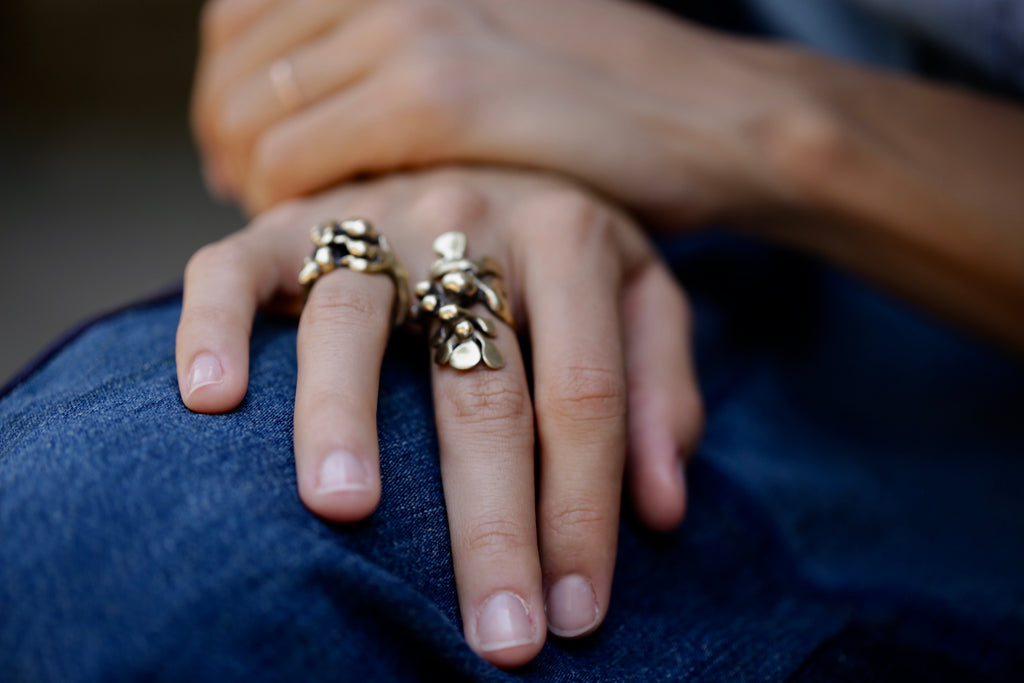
(101, 199)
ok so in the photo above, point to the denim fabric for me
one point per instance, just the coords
(990, 33)
(856, 510)
(840, 28)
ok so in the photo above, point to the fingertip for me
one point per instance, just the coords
(216, 179)
(664, 435)
(513, 657)
(658, 484)
(341, 486)
(666, 513)
(206, 387)
(666, 410)
(572, 607)
(506, 631)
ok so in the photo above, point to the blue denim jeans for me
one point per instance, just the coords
(856, 510)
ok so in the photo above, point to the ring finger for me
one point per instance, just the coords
(277, 31)
(301, 78)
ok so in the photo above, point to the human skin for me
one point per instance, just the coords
(911, 184)
(613, 384)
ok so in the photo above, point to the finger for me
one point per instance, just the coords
(224, 284)
(485, 433)
(279, 30)
(314, 71)
(397, 118)
(427, 106)
(573, 274)
(342, 335)
(666, 412)
(223, 20)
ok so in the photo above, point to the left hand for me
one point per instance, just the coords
(613, 389)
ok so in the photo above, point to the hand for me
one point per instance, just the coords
(656, 113)
(609, 330)
(910, 184)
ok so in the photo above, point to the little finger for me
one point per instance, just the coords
(665, 408)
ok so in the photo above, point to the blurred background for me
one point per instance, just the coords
(101, 199)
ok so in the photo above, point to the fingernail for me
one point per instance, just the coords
(504, 622)
(571, 606)
(206, 370)
(342, 471)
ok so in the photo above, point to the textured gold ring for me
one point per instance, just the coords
(356, 245)
(459, 337)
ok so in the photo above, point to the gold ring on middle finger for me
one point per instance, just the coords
(459, 337)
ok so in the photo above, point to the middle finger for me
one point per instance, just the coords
(485, 433)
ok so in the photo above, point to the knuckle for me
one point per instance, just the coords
(437, 89)
(226, 254)
(205, 316)
(569, 208)
(494, 537)
(286, 214)
(572, 222)
(488, 398)
(273, 161)
(455, 204)
(575, 518)
(327, 307)
(587, 393)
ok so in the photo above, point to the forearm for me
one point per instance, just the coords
(918, 187)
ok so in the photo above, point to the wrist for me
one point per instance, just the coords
(804, 158)
(768, 145)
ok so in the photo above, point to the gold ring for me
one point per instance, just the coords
(459, 337)
(356, 245)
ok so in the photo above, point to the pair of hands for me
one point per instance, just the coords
(678, 124)
(585, 88)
